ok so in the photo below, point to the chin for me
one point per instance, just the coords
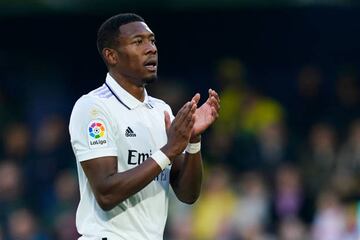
(149, 79)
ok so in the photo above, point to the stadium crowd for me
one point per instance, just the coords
(284, 169)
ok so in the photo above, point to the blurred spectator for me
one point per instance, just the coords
(273, 148)
(11, 192)
(244, 113)
(344, 102)
(230, 76)
(52, 154)
(172, 91)
(307, 104)
(351, 215)
(16, 142)
(64, 226)
(318, 158)
(292, 228)
(348, 163)
(61, 208)
(179, 224)
(330, 219)
(213, 211)
(288, 195)
(251, 214)
(259, 111)
(10, 109)
(23, 225)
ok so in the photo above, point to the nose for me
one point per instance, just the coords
(150, 48)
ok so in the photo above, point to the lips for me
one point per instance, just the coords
(151, 64)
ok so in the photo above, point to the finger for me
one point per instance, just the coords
(190, 125)
(167, 120)
(183, 113)
(215, 103)
(214, 112)
(196, 98)
(191, 115)
(215, 94)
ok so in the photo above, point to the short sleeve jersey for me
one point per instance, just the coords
(111, 122)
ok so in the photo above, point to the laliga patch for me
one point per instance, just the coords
(97, 134)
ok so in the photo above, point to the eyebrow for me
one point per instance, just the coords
(143, 35)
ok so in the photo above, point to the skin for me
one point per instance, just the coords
(127, 65)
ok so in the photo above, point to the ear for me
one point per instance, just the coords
(110, 56)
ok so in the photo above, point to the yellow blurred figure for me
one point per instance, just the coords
(260, 113)
(213, 211)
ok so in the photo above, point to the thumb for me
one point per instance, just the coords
(167, 120)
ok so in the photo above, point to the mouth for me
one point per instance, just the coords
(151, 65)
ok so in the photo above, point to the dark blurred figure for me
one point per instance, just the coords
(307, 104)
(64, 227)
(16, 142)
(11, 189)
(318, 159)
(173, 91)
(345, 106)
(273, 148)
(317, 162)
(23, 225)
(52, 154)
(10, 109)
(59, 214)
(347, 174)
(230, 76)
(292, 228)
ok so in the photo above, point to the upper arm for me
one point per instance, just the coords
(97, 170)
(92, 134)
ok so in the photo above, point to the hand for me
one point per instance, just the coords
(179, 130)
(206, 114)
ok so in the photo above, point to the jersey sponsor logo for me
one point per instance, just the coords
(136, 158)
(97, 134)
(129, 132)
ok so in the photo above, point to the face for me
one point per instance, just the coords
(137, 54)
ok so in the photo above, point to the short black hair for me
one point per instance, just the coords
(109, 30)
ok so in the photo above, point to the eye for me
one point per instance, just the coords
(153, 41)
(138, 41)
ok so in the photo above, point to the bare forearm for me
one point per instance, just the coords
(119, 186)
(188, 179)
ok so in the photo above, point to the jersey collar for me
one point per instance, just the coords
(124, 97)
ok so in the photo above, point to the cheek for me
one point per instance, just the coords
(131, 62)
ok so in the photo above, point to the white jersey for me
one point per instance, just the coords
(110, 122)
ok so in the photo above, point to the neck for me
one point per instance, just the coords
(129, 86)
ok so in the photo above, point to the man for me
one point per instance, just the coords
(128, 145)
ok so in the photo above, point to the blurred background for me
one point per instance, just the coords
(282, 161)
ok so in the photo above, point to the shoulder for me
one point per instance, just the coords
(91, 104)
(97, 96)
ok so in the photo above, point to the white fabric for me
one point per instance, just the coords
(102, 125)
(161, 159)
(193, 148)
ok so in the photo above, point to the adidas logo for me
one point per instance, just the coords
(129, 132)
